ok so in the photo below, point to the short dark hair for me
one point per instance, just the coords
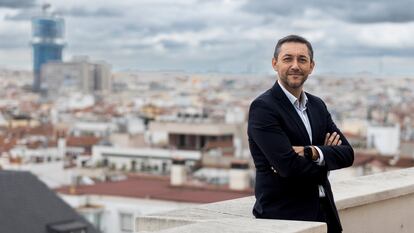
(293, 38)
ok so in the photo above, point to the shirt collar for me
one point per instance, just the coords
(293, 100)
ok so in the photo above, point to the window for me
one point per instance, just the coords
(126, 221)
(94, 217)
(181, 141)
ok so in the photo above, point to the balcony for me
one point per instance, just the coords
(380, 203)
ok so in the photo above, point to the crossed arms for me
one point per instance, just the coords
(267, 134)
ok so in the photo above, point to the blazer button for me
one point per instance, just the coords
(273, 169)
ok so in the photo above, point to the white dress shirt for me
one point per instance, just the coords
(300, 107)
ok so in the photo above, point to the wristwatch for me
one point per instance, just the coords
(308, 152)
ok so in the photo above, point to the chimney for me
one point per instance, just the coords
(239, 178)
(178, 173)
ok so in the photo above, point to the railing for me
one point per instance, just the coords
(380, 203)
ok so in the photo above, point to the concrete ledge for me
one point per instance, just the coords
(157, 223)
(363, 203)
(373, 188)
(226, 216)
(241, 225)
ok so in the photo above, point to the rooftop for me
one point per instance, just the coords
(28, 205)
(159, 188)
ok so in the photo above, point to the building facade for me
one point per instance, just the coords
(78, 75)
(47, 42)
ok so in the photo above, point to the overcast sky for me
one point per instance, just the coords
(235, 36)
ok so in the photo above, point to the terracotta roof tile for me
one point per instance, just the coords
(159, 189)
(82, 141)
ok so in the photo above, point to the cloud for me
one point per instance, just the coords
(354, 11)
(173, 45)
(15, 35)
(84, 12)
(222, 35)
(75, 11)
(22, 15)
(12, 42)
(15, 4)
(379, 11)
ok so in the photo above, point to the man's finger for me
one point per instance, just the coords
(326, 138)
(331, 139)
(336, 140)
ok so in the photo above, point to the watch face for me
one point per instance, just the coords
(308, 152)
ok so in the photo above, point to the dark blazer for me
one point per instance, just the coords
(273, 128)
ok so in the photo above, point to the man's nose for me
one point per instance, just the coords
(295, 65)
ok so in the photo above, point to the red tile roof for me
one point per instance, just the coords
(381, 161)
(82, 141)
(46, 130)
(158, 188)
(7, 144)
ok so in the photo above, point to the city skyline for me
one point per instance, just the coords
(220, 36)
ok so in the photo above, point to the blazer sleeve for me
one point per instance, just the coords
(336, 157)
(265, 130)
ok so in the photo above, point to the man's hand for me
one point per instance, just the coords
(332, 139)
(299, 150)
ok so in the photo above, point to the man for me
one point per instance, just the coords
(294, 143)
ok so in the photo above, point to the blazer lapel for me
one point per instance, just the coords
(313, 118)
(291, 111)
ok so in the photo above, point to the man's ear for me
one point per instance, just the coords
(312, 65)
(274, 63)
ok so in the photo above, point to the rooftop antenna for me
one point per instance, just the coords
(45, 7)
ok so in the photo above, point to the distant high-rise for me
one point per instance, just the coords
(47, 42)
(78, 75)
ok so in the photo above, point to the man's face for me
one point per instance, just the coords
(293, 64)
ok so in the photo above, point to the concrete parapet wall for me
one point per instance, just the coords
(228, 225)
(380, 203)
(156, 223)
